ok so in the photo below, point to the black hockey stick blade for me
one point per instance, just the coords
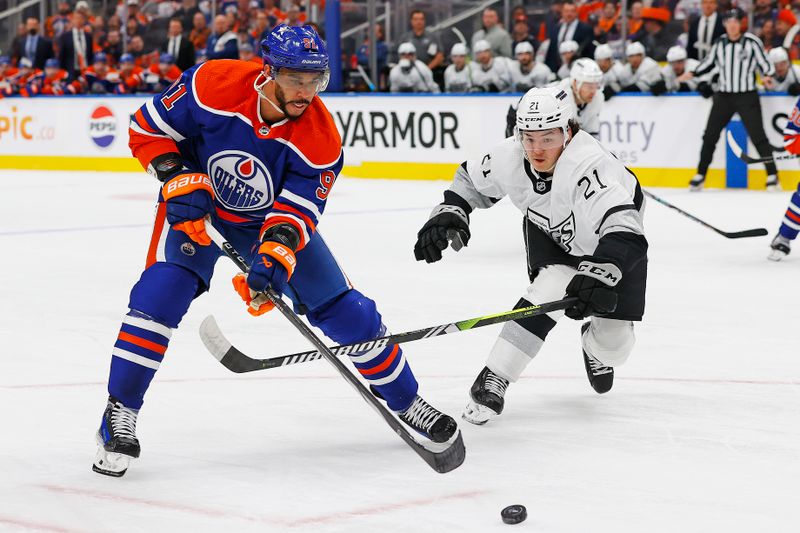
(237, 361)
(755, 232)
(443, 457)
(737, 151)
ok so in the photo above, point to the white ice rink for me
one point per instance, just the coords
(701, 432)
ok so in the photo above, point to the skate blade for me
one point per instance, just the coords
(478, 414)
(111, 464)
(776, 255)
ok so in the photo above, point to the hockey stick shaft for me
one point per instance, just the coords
(443, 461)
(755, 232)
(738, 152)
(237, 361)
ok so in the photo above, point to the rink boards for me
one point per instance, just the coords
(403, 136)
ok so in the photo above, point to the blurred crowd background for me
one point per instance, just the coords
(134, 46)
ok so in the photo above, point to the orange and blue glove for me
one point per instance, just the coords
(272, 267)
(189, 197)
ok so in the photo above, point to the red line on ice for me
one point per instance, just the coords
(35, 526)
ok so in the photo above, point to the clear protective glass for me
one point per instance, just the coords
(311, 83)
(542, 140)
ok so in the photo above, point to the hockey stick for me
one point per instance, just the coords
(237, 361)
(755, 232)
(737, 151)
(442, 457)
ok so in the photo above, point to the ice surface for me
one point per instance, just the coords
(700, 433)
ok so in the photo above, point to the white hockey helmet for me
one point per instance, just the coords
(523, 47)
(585, 70)
(406, 48)
(676, 53)
(634, 49)
(778, 55)
(568, 46)
(459, 49)
(603, 51)
(544, 108)
(482, 46)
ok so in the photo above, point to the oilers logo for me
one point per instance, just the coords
(102, 126)
(241, 181)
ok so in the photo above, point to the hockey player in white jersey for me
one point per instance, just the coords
(411, 75)
(568, 50)
(526, 72)
(641, 72)
(611, 69)
(787, 75)
(490, 74)
(458, 75)
(678, 62)
(585, 92)
(583, 234)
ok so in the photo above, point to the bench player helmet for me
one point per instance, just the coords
(544, 108)
(585, 70)
(296, 48)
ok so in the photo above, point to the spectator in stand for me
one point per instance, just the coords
(769, 36)
(178, 46)
(704, 30)
(83, 7)
(608, 17)
(569, 29)
(657, 37)
(262, 27)
(273, 12)
(568, 50)
(99, 78)
(136, 49)
(787, 75)
(75, 46)
(98, 28)
(490, 74)
(763, 11)
(200, 31)
(611, 68)
(33, 46)
(57, 24)
(131, 76)
(641, 72)
(494, 34)
(186, 12)
(426, 43)
(522, 34)
(133, 28)
(246, 53)
(786, 32)
(223, 43)
(525, 72)
(635, 18)
(411, 75)
(458, 75)
(134, 12)
(381, 54)
(293, 16)
(113, 46)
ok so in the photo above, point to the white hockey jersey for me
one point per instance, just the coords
(612, 76)
(589, 195)
(671, 79)
(538, 76)
(587, 115)
(417, 78)
(494, 78)
(646, 75)
(782, 85)
(458, 81)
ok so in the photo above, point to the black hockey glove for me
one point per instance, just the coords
(608, 92)
(446, 223)
(794, 89)
(594, 286)
(705, 90)
(658, 88)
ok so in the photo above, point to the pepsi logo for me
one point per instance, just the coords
(241, 182)
(102, 126)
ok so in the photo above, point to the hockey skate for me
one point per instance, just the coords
(773, 185)
(780, 248)
(116, 439)
(429, 421)
(601, 377)
(486, 398)
(696, 185)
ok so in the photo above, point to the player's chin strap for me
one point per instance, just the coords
(259, 87)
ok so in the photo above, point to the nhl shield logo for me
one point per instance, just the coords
(241, 181)
(540, 186)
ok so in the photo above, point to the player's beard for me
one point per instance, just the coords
(283, 104)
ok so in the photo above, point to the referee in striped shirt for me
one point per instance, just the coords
(736, 56)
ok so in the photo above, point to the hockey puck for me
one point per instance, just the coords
(514, 514)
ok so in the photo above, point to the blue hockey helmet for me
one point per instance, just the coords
(100, 57)
(295, 47)
(166, 58)
(126, 58)
(52, 63)
(5, 60)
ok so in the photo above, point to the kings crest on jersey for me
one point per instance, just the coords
(589, 194)
(211, 116)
